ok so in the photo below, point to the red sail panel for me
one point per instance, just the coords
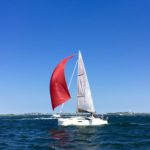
(58, 87)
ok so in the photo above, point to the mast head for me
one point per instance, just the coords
(79, 54)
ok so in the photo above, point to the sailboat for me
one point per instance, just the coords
(59, 93)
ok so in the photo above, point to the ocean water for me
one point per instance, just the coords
(42, 133)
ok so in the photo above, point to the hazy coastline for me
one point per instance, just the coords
(110, 113)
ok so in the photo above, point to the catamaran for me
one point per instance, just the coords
(59, 93)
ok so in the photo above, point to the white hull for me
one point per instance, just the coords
(81, 121)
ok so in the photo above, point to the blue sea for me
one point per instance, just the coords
(40, 132)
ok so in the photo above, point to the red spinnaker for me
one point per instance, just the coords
(58, 87)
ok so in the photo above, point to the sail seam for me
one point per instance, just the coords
(80, 96)
(81, 74)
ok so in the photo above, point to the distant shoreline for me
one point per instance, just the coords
(110, 113)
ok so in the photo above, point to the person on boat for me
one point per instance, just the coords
(93, 115)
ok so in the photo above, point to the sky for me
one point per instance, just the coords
(113, 36)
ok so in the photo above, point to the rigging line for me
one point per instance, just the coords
(69, 84)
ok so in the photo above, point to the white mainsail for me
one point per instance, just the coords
(85, 101)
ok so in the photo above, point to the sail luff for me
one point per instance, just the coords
(59, 92)
(85, 101)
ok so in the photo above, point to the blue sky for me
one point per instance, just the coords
(113, 37)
